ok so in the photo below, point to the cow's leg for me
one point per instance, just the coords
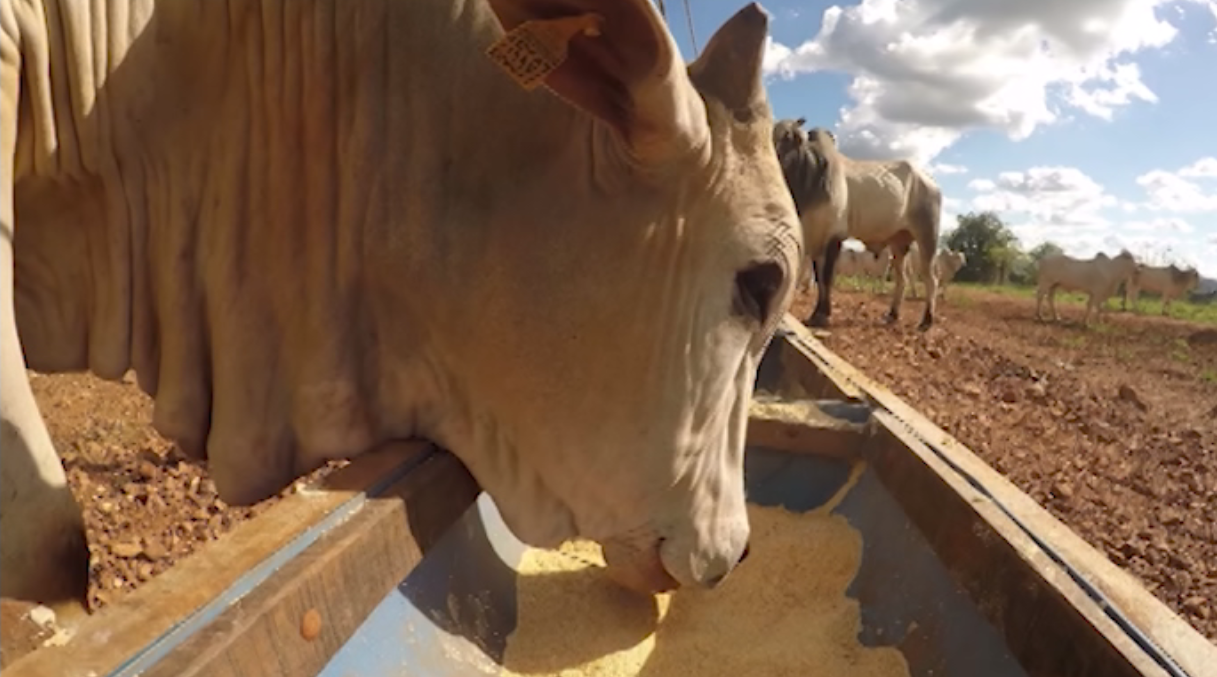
(1090, 305)
(805, 273)
(816, 265)
(1050, 294)
(900, 249)
(43, 555)
(929, 278)
(824, 276)
(817, 268)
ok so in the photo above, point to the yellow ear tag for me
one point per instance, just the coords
(534, 49)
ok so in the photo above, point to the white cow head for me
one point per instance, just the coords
(649, 274)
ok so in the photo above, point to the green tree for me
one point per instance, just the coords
(1045, 249)
(1022, 270)
(989, 245)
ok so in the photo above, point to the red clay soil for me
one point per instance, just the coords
(146, 506)
(1113, 429)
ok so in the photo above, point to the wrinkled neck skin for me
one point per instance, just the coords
(597, 315)
(491, 272)
(541, 453)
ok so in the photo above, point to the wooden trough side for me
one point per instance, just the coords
(1063, 607)
(282, 592)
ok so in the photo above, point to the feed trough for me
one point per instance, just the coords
(401, 566)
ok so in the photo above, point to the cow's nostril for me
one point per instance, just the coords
(743, 555)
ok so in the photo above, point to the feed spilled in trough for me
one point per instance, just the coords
(783, 612)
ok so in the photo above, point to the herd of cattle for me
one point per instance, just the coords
(288, 232)
(893, 208)
(1100, 277)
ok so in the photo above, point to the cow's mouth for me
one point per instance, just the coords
(638, 569)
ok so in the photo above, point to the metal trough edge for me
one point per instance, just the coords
(1165, 638)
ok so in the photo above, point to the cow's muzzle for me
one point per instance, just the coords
(643, 571)
(639, 570)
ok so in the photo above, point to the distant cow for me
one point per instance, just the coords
(1169, 282)
(1098, 278)
(880, 203)
(947, 263)
(864, 264)
(820, 192)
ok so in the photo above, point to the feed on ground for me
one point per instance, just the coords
(783, 612)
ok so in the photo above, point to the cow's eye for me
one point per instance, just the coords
(756, 287)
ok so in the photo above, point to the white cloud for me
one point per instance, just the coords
(924, 71)
(775, 58)
(1153, 250)
(1161, 225)
(944, 169)
(1170, 192)
(1071, 209)
(951, 209)
(1045, 196)
(1205, 167)
(1123, 84)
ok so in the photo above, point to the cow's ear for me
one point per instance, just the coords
(730, 67)
(614, 59)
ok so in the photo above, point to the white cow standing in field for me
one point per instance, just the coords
(281, 220)
(1097, 277)
(864, 264)
(947, 263)
(883, 204)
(1169, 282)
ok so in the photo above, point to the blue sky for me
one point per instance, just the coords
(1091, 123)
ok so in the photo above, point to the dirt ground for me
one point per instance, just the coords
(146, 505)
(1112, 428)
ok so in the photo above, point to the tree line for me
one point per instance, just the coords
(994, 255)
